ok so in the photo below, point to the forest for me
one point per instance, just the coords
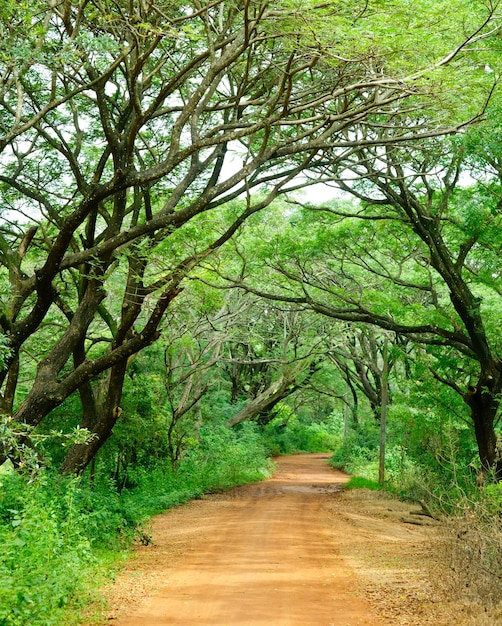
(236, 229)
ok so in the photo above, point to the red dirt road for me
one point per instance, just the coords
(261, 555)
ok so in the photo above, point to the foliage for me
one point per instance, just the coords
(138, 139)
(220, 459)
(46, 555)
(55, 530)
(22, 444)
(5, 351)
(242, 460)
(415, 256)
(359, 482)
(288, 433)
(470, 548)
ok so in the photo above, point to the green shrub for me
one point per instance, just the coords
(286, 433)
(356, 458)
(225, 457)
(45, 558)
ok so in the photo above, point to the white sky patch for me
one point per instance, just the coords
(320, 193)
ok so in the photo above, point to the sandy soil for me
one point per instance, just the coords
(291, 551)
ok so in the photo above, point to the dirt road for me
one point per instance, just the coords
(276, 553)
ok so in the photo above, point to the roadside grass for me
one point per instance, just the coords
(62, 538)
(469, 555)
(359, 482)
(467, 543)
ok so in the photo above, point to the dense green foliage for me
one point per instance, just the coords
(137, 140)
(288, 433)
(177, 302)
(58, 533)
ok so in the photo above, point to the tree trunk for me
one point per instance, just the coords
(100, 424)
(384, 394)
(484, 402)
(80, 455)
(277, 390)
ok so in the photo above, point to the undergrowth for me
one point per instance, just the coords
(287, 434)
(469, 553)
(467, 542)
(359, 482)
(58, 534)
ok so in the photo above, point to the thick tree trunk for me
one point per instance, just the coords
(80, 455)
(484, 402)
(100, 424)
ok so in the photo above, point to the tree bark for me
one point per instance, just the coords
(383, 415)
(263, 401)
(80, 455)
(484, 401)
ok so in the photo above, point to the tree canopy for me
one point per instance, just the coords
(416, 255)
(138, 137)
(231, 229)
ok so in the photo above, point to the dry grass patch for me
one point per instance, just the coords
(389, 556)
(468, 571)
(416, 575)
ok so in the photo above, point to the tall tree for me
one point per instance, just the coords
(417, 255)
(127, 130)
(359, 357)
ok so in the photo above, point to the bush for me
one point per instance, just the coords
(45, 557)
(287, 434)
(225, 458)
(55, 531)
(358, 453)
(220, 459)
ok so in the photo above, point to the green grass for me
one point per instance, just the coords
(359, 482)
(62, 537)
